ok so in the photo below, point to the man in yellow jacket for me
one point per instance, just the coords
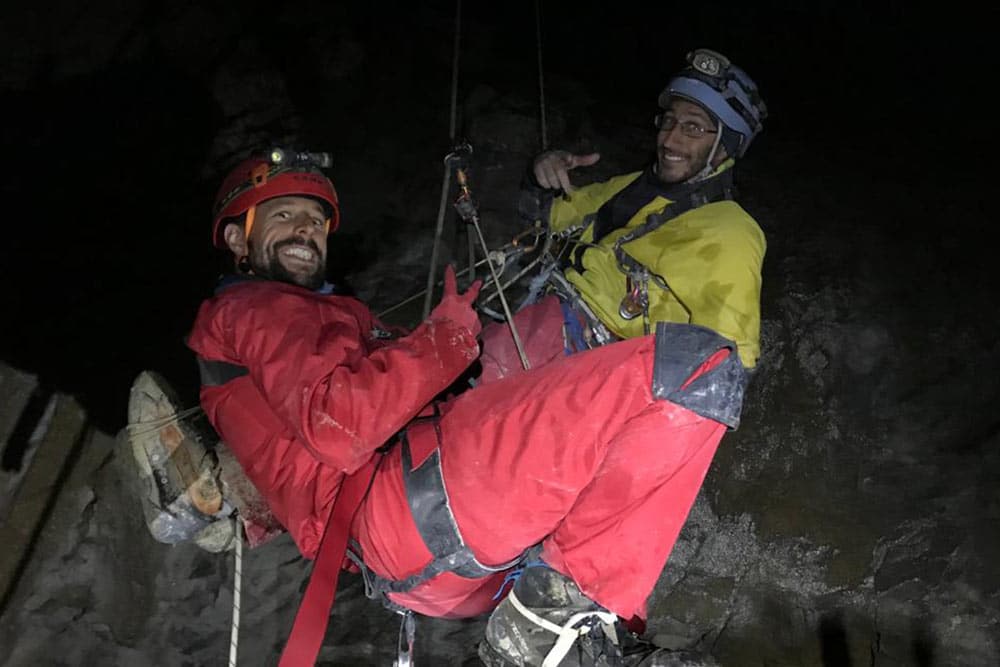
(668, 243)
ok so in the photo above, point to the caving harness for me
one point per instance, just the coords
(638, 276)
(583, 328)
(428, 501)
(431, 511)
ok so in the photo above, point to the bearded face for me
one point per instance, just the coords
(294, 260)
(684, 143)
(287, 242)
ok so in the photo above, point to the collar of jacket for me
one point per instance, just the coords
(230, 279)
(676, 191)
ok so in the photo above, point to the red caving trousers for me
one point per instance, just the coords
(575, 454)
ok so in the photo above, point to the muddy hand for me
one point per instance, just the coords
(552, 168)
(458, 307)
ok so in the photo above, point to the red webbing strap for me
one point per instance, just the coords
(309, 628)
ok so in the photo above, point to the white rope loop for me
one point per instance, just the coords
(144, 427)
(237, 586)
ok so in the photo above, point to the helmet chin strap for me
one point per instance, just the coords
(707, 170)
(248, 225)
(244, 264)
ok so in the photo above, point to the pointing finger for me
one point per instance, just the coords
(450, 283)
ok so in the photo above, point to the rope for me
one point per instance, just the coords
(439, 229)
(237, 585)
(458, 274)
(454, 124)
(541, 78)
(429, 292)
(142, 428)
(503, 299)
(472, 258)
(454, 71)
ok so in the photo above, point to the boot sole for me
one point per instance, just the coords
(179, 494)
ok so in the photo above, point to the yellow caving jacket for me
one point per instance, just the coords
(709, 256)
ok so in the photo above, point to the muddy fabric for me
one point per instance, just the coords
(710, 259)
(324, 390)
(577, 454)
(540, 330)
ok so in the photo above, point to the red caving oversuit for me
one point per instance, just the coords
(575, 454)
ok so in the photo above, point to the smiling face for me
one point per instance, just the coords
(287, 241)
(679, 156)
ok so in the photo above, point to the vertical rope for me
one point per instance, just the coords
(429, 292)
(454, 123)
(503, 299)
(541, 75)
(472, 257)
(454, 71)
(237, 586)
(439, 228)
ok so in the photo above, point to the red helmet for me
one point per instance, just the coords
(258, 179)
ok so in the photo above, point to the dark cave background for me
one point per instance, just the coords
(861, 489)
(114, 150)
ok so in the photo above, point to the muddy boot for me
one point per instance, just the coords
(546, 621)
(173, 470)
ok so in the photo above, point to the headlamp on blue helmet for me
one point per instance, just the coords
(726, 92)
(708, 62)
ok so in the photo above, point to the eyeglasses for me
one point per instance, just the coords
(689, 128)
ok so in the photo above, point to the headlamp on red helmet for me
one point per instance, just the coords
(281, 173)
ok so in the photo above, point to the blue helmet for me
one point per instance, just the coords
(724, 90)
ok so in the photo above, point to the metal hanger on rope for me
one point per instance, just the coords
(464, 204)
(468, 211)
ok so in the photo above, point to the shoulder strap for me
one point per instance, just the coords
(617, 211)
(714, 189)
